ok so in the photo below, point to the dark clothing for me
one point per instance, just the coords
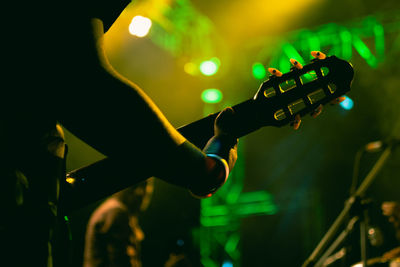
(39, 63)
(109, 11)
(29, 195)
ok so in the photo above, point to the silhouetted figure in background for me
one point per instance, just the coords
(113, 234)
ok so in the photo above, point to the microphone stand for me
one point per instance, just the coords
(312, 259)
(326, 259)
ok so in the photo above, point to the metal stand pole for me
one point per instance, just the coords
(311, 260)
(363, 240)
(324, 260)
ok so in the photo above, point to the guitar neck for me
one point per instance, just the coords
(245, 122)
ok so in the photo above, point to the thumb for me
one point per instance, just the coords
(224, 122)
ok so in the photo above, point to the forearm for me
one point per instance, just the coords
(202, 175)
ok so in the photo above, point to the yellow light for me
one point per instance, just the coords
(70, 180)
(190, 68)
(140, 26)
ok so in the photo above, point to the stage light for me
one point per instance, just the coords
(209, 67)
(140, 26)
(259, 71)
(70, 180)
(211, 95)
(190, 68)
(227, 264)
(347, 104)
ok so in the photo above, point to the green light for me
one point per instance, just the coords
(215, 221)
(345, 37)
(210, 67)
(215, 211)
(379, 40)
(364, 51)
(291, 52)
(256, 196)
(259, 71)
(232, 243)
(256, 208)
(211, 95)
(208, 262)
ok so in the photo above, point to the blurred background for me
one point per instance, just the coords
(195, 57)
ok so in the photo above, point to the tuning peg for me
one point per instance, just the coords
(296, 64)
(296, 123)
(338, 100)
(318, 54)
(317, 111)
(275, 72)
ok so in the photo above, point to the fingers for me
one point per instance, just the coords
(224, 121)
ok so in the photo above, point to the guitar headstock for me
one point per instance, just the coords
(280, 99)
(301, 91)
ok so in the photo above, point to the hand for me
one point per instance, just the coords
(223, 143)
(297, 120)
(221, 151)
(223, 121)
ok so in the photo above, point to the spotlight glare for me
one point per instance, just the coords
(209, 67)
(211, 95)
(227, 264)
(140, 26)
(347, 104)
(259, 71)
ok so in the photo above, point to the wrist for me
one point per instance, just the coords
(220, 145)
(223, 162)
(218, 172)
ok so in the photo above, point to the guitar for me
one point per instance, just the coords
(276, 103)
